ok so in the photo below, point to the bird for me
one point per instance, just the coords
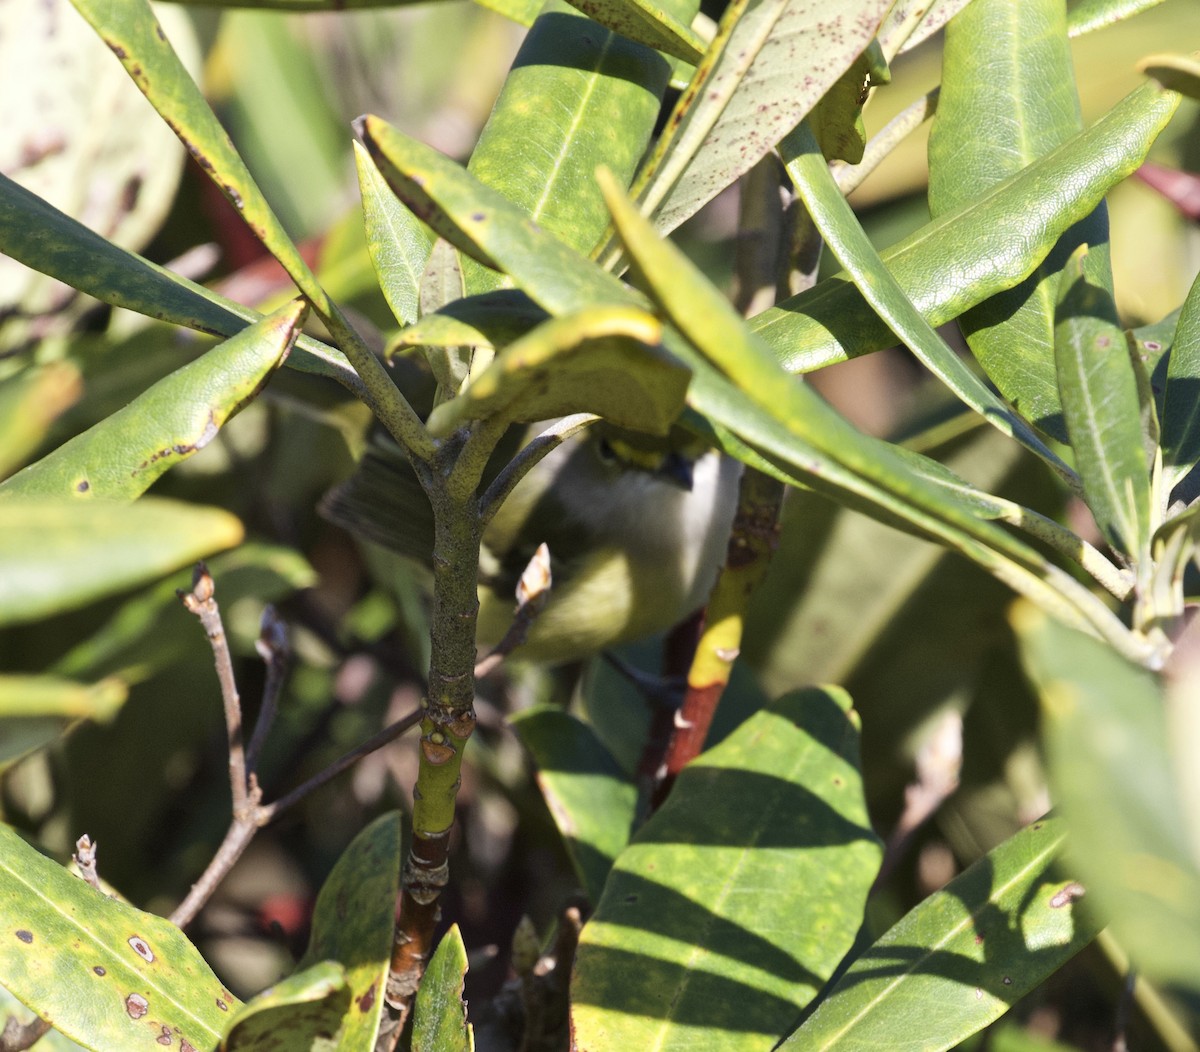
(636, 527)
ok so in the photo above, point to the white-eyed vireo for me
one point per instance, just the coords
(636, 527)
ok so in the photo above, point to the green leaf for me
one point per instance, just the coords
(1089, 15)
(978, 250)
(578, 96)
(441, 285)
(848, 241)
(737, 899)
(769, 64)
(606, 361)
(109, 975)
(655, 25)
(134, 35)
(484, 225)
(354, 923)
(1100, 403)
(836, 120)
(440, 1014)
(29, 403)
(1179, 73)
(56, 555)
(299, 1013)
(42, 237)
(131, 643)
(1181, 400)
(906, 26)
(123, 455)
(34, 710)
(588, 794)
(962, 957)
(1117, 772)
(1008, 98)
(399, 244)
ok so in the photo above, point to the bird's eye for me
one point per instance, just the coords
(605, 452)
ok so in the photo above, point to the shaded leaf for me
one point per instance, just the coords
(34, 710)
(961, 958)
(124, 454)
(109, 975)
(1181, 400)
(29, 403)
(440, 1014)
(299, 1013)
(589, 796)
(1177, 72)
(353, 926)
(489, 319)
(56, 555)
(736, 900)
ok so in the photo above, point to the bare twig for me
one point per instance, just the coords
(200, 601)
(17, 1036)
(85, 859)
(249, 813)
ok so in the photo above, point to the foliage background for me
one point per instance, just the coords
(911, 632)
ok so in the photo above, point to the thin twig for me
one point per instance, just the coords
(17, 1036)
(520, 465)
(85, 859)
(269, 812)
(200, 602)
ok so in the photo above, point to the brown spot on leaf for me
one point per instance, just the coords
(164, 1036)
(222, 1005)
(186, 1046)
(82, 486)
(100, 970)
(367, 1000)
(25, 936)
(119, 51)
(142, 948)
(136, 1006)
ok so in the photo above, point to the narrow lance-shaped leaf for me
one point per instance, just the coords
(976, 250)
(577, 96)
(736, 900)
(440, 1013)
(665, 27)
(1008, 98)
(135, 37)
(1181, 401)
(108, 975)
(1100, 404)
(961, 958)
(121, 456)
(398, 243)
(769, 64)
(848, 241)
(58, 554)
(42, 237)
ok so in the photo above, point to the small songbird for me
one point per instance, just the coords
(636, 527)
